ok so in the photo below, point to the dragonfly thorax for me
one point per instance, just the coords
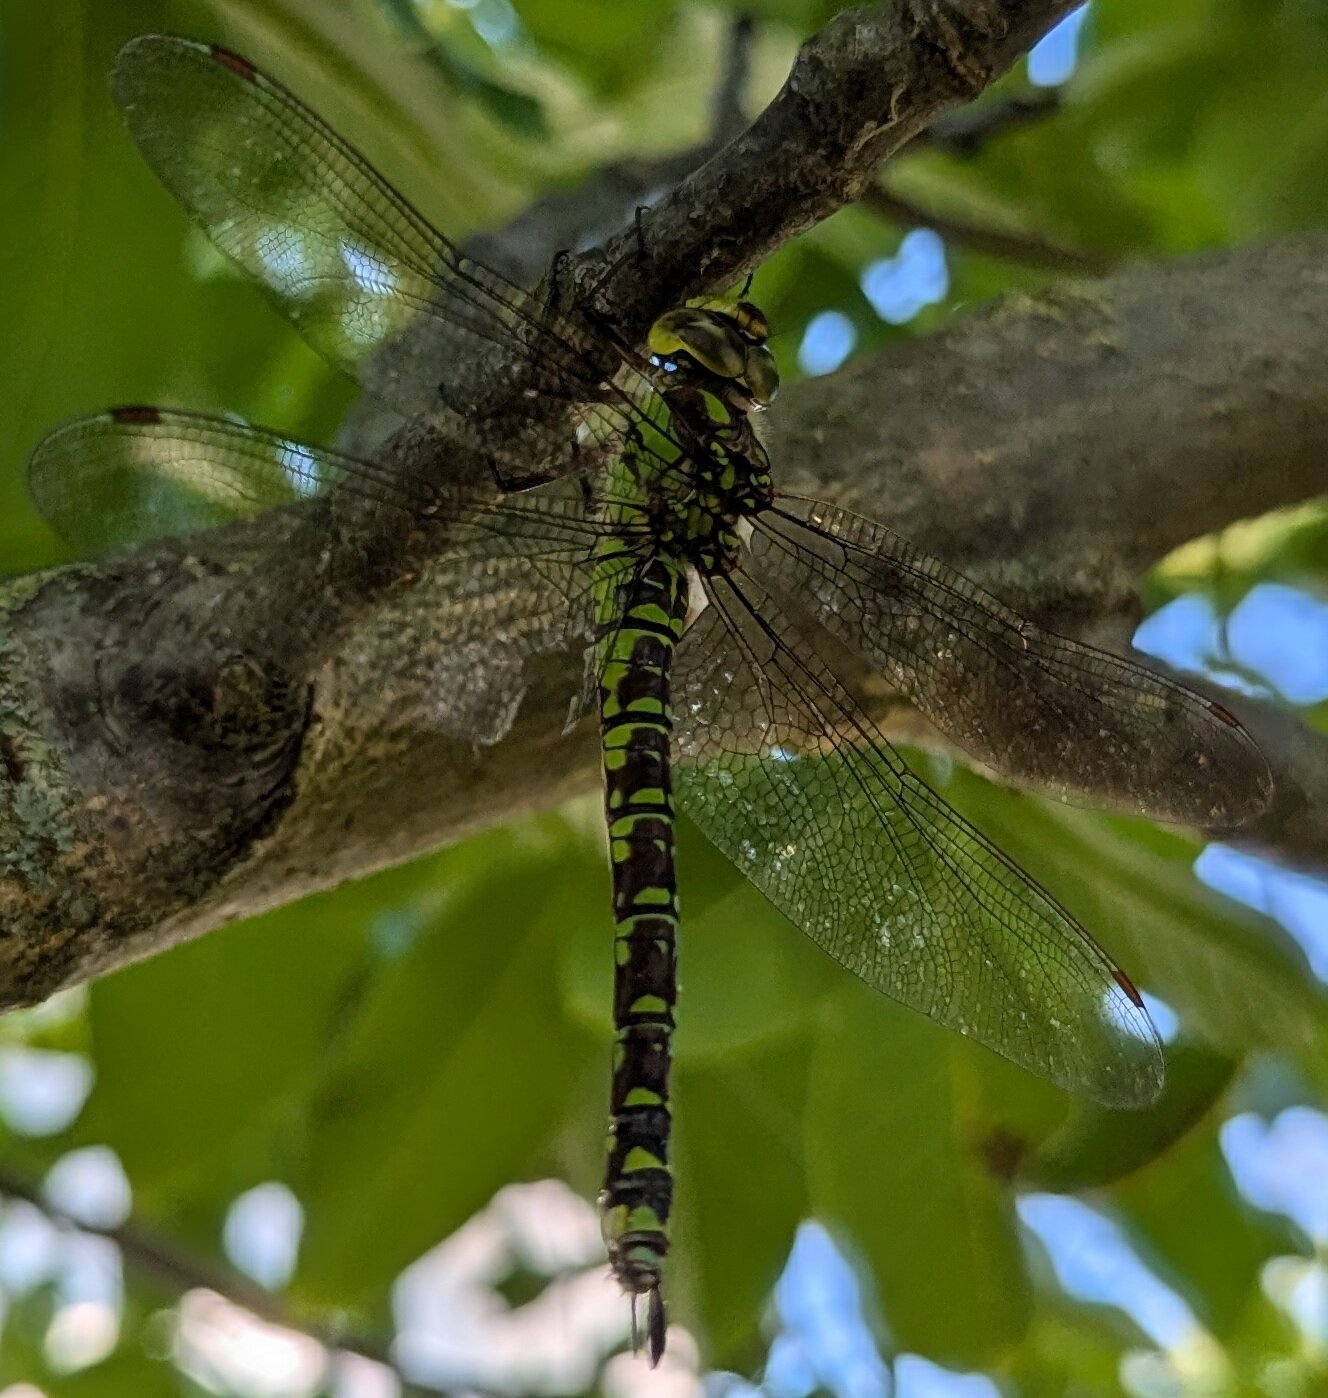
(695, 509)
(713, 372)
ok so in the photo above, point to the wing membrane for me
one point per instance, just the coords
(1042, 710)
(139, 473)
(360, 272)
(131, 474)
(794, 784)
(513, 583)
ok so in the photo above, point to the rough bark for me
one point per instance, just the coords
(167, 765)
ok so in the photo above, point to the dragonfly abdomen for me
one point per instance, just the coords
(640, 623)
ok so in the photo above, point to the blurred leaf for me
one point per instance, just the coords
(516, 109)
(21, 1354)
(203, 1054)
(49, 69)
(894, 1157)
(1216, 1266)
(1096, 1147)
(1288, 546)
(452, 1076)
(128, 1373)
(741, 1191)
(1072, 1349)
(607, 42)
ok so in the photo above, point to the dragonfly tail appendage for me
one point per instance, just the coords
(637, 635)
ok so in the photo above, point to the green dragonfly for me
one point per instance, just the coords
(715, 615)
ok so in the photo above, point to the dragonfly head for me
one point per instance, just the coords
(726, 339)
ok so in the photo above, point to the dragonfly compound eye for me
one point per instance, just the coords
(761, 375)
(710, 339)
(751, 320)
(727, 338)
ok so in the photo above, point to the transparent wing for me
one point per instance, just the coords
(1044, 711)
(136, 473)
(514, 581)
(139, 473)
(793, 783)
(359, 272)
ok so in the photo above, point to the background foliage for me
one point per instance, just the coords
(396, 1051)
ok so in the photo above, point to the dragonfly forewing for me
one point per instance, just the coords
(1040, 709)
(363, 276)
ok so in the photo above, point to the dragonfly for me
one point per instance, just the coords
(636, 523)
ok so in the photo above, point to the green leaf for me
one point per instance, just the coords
(1289, 546)
(606, 41)
(48, 58)
(523, 113)
(452, 1077)
(740, 1191)
(1072, 1348)
(895, 1131)
(203, 1053)
(1095, 1147)
(515, 109)
(128, 1373)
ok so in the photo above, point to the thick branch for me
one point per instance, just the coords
(1052, 448)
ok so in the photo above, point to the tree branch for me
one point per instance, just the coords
(726, 116)
(860, 90)
(968, 132)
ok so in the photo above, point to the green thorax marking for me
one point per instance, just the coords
(712, 371)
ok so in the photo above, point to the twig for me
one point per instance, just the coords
(968, 130)
(1031, 249)
(178, 1272)
(727, 118)
(860, 89)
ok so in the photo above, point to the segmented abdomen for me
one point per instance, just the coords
(640, 622)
